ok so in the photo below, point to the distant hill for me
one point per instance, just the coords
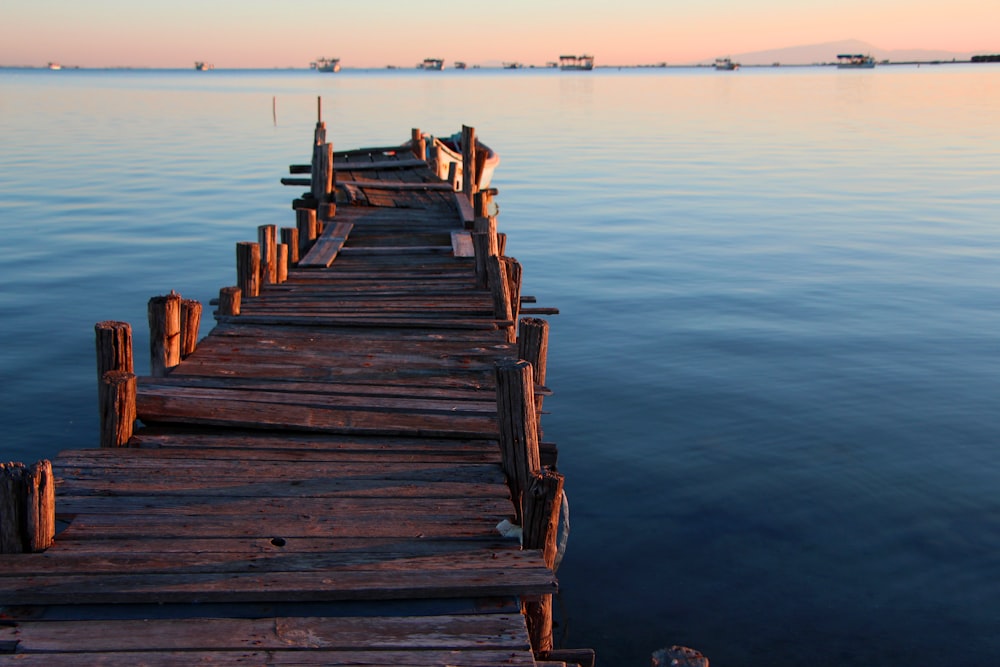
(827, 53)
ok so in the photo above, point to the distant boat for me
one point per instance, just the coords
(326, 65)
(435, 64)
(459, 64)
(513, 65)
(576, 62)
(201, 67)
(726, 65)
(855, 61)
(54, 66)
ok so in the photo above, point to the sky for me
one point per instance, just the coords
(376, 33)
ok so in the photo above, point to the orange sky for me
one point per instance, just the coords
(267, 33)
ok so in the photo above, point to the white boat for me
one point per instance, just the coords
(442, 152)
(726, 65)
(583, 62)
(435, 64)
(54, 66)
(201, 67)
(855, 61)
(326, 65)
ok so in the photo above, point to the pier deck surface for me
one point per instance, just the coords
(319, 483)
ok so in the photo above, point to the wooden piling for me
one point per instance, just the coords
(290, 237)
(518, 435)
(418, 144)
(305, 222)
(484, 241)
(281, 263)
(27, 507)
(114, 347)
(468, 161)
(248, 268)
(513, 273)
(323, 179)
(496, 271)
(164, 333)
(190, 325)
(117, 395)
(542, 504)
(267, 237)
(230, 300)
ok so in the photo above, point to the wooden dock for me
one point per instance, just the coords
(327, 477)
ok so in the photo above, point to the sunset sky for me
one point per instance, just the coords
(376, 33)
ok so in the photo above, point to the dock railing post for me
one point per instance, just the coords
(469, 184)
(290, 237)
(418, 144)
(190, 325)
(248, 268)
(164, 333)
(542, 503)
(323, 180)
(305, 222)
(518, 435)
(267, 237)
(230, 300)
(533, 347)
(27, 507)
(116, 382)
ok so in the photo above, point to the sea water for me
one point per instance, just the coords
(777, 360)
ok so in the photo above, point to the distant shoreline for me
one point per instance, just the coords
(984, 60)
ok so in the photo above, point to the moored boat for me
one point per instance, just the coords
(726, 64)
(442, 152)
(326, 65)
(54, 66)
(436, 64)
(855, 61)
(583, 62)
(201, 67)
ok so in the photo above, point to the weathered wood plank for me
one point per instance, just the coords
(317, 657)
(456, 632)
(193, 587)
(326, 247)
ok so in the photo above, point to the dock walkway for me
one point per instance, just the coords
(320, 481)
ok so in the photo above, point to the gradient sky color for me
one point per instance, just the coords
(376, 33)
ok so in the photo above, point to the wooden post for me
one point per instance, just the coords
(290, 237)
(533, 347)
(484, 241)
(248, 268)
(514, 272)
(114, 347)
(12, 508)
(482, 203)
(27, 507)
(164, 333)
(117, 393)
(230, 300)
(319, 136)
(518, 435)
(418, 144)
(305, 222)
(542, 502)
(323, 179)
(453, 175)
(468, 161)
(190, 326)
(267, 237)
(281, 262)
(496, 271)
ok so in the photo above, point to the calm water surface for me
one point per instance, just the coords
(777, 366)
